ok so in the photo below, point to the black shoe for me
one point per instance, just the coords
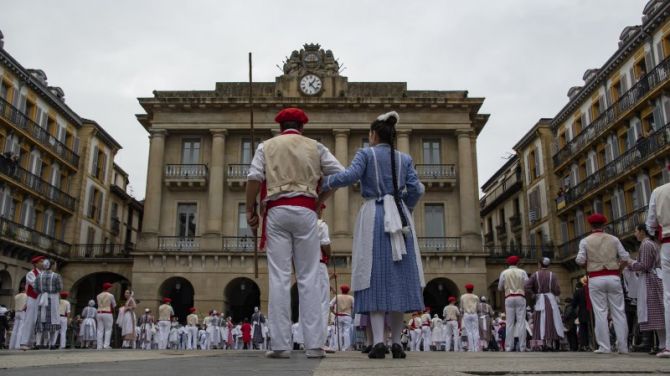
(398, 352)
(367, 349)
(378, 351)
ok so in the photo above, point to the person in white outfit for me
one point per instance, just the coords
(438, 332)
(64, 309)
(658, 222)
(452, 317)
(105, 316)
(146, 329)
(192, 330)
(324, 276)
(469, 302)
(165, 313)
(27, 339)
(415, 331)
(512, 282)
(343, 305)
(603, 254)
(20, 300)
(291, 166)
(426, 332)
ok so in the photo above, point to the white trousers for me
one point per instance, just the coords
(62, 333)
(515, 312)
(665, 276)
(344, 332)
(607, 296)
(324, 288)
(471, 328)
(163, 334)
(105, 322)
(15, 339)
(191, 337)
(451, 336)
(292, 235)
(28, 326)
(415, 335)
(426, 337)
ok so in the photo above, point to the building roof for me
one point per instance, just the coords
(505, 167)
(530, 135)
(106, 137)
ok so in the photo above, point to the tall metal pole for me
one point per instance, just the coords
(253, 151)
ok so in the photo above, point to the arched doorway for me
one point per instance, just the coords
(437, 292)
(295, 303)
(6, 289)
(181, 291)
(240, 297)
(88, 287)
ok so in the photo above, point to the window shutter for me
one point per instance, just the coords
(648, 61)
(658, 116)
(633, 79)
(608, 151)
(584, 119)
(646, 190)
(75, 145)
(91, 201)
(99, 207)
(660, 55)
(602, 106)
(103, 165)
(94, 164)
(630, 137)
(608, 96)
(538, 171)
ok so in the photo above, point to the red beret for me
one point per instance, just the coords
(291, 114)
(64, 294)
(36, 259)
(596, 218)
(167, 300)
(345, 289)
(513, 260)
(192, 309)
(469, 287)
(452, 299)
(106, 286)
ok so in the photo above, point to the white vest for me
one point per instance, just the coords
(292, 164)
(662, 197)
(601, 252)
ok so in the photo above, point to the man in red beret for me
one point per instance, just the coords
(512, 281)
(469, 302)
(658, 222)
(602, 255)
(452, 316)
(342, 306)
(165, 313)
(192, 329)
(27, 339)
(64, 309)
(291, 166)
(105, 318)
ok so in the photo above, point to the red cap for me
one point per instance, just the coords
(291, 114)
(345, 289)
(36, 259)
(106, 286)
(64, 294)
(469, 287)
(513, 260)
(596, 218)
(192, 309)
(167, 300)
(452, 299)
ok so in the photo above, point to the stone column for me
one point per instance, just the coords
(341, 199)
(403, 140)
(215, 188)
(152, 203)
(469, 216)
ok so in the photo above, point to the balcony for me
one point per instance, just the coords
(236, 176)
(238, 244)
(488, 238)
(186, 176)
(439, 244)
(509, 187)
(629, 100)
(15, 235)
(530, 252)
(515, 222)
(501, 231)
(99, 251)
(35, 184)
(28, 127)
(654, 145)
(178, 243)
(437, 176)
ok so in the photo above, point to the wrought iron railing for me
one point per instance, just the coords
(24, 123)
(531, 252)
(30, 237)
(91, 251)
(238, 171)
(436, 171)
(511, 182)
(178, 243)
(439, 244)
(186, 171)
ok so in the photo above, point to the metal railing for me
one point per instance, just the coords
(511, 182)
(439, 244)
(185, 171)
(608, 117)
(238, 243)
(35, 183)
(178, 243)
(238, 171)
(436, 171)
(87, 251)
(619, 166)
(26, 235)
(23, 122)
(531, 252)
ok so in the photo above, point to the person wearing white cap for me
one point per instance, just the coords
(547, 322)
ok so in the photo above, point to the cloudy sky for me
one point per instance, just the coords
(522, 55)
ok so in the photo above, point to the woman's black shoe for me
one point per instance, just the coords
(367, 349)
(398, 352)
(378, 351)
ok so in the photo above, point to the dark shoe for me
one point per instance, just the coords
(378, 351)
(398, 352)
(367, 349)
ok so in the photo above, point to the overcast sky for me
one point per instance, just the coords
(522, 55)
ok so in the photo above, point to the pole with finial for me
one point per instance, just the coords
(253, 150)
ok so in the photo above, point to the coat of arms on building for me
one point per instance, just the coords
(311, 59)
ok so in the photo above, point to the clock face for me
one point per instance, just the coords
(310, 84)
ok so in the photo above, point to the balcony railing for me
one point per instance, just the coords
(35, 183)
(510, 184)
(627, 101)
(238, 243)
(238, 171)
(634, 156)
(501, 230)
(436, 171)
(23, 122)
(186, 171)
(178, 243)
(439, 244)
(26, 235)
(92, 251)
(530, 252)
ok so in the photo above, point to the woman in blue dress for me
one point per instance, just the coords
(387, 275)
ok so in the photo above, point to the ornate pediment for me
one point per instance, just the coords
(311, 59)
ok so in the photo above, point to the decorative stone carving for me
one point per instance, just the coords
(313, 59)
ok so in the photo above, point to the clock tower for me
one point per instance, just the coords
(311, 72)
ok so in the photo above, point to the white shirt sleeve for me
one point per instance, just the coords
(501, 282)
(581, 255)
(324, 235)
(257, 168)
(623, 254)
(112, 301)
(329, 164)
(30, 278)
(652, 221)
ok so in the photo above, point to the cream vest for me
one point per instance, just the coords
(514, 278)
(192, 319)
(425, 319)
(345, 303)
(662, 197)
(601, 252)
(292, 164)
(469, 303)
(20, 300)
(451, 312)
(165, 312)
(104, 302)
(63, 307)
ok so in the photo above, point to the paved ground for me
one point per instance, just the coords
(248, 363)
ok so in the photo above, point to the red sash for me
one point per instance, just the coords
(302, 201)
(603, 272)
